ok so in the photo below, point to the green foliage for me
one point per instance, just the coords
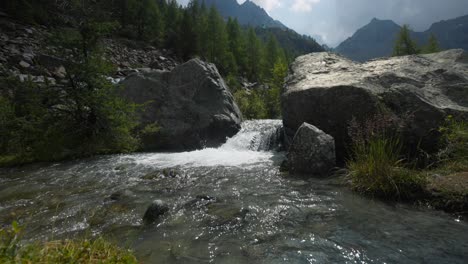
(454, 151)
(67, 251)
(251, 104)
(404, 45)
(149, 22)
(83, 117)
(30, 11)
(432, 45)
(254, 56)
(376, 169)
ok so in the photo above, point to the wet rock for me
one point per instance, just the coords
(417, 91)
(312, 151)
(164, 173)
(201, 201)
(226, 214)
(121, 195)
(155, 211)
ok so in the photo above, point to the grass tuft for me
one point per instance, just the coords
(376, 170)
(66, 251)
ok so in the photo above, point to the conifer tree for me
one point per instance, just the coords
(272, 53)
(432, 45)
(172, 23)
(149, 21)
(404, 44)
(217, 42)
(254, 55)
(236, 44)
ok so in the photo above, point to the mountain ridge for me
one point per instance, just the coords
(250, 14)
(376, 39)
(247, 13)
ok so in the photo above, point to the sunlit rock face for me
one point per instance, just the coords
(328, 91)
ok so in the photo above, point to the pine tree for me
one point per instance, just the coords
(172, 23)
(272, 53)
(404, 44)
(254, 56)
(217, 41)
(432, 45)
(236, 44)
(149, 21)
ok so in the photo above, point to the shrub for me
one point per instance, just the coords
(376, 167)
(251, 104)
(453, 156)
(67, 251)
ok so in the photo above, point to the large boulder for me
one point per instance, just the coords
(328, 91)
(191, 105)
(311, 151)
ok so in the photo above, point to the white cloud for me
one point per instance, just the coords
(268, 5)
(303, 5)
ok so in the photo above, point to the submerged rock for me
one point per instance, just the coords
(312, 151)
(328, 91)
(190, 107)
(154, 211)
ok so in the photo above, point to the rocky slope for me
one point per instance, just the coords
(328, 91)
(27, 52)
(188, 105)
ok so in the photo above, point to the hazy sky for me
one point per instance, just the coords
(332, 21)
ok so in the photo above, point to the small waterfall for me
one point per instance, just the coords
(257, 141)
(257, 135)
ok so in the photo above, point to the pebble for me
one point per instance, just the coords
(24, 64)
(60, 72)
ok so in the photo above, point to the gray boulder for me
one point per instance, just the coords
(191, 105)
(328, 91)
(312, 151)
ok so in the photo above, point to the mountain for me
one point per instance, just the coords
(250, 14)
(371, 41)
(247, 13)
(377, 38)
(451, 33)
(294, 43)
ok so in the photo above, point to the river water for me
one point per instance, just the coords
(227, 205)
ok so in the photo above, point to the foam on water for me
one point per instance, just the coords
(245, 148)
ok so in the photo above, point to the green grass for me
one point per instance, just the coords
(65, 251)
(455, 153)
(377, 170)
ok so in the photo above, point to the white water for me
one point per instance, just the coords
(240, 150)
